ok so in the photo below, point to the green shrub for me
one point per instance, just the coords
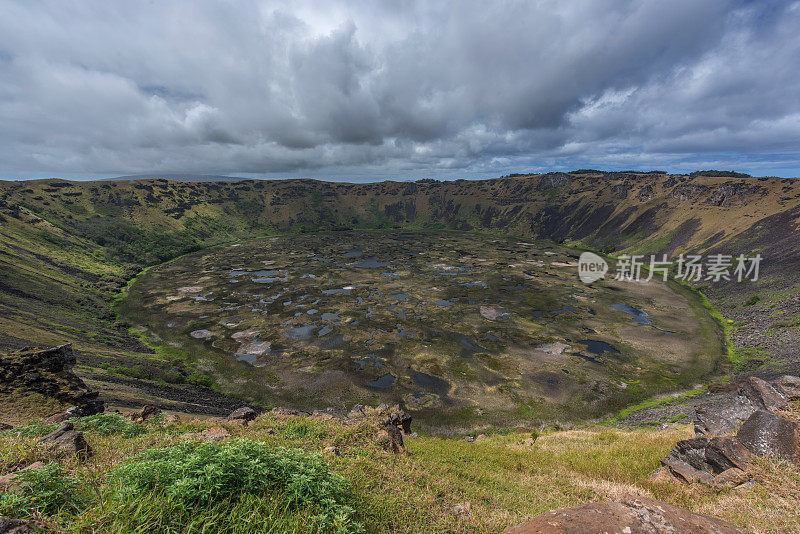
(107, 424)
(193, 478)
(34, 429)
(45, 490)
(132, 371)
(198, 378)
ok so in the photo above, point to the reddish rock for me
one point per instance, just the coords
(730, 478)
(789, 386)
(57, 418)
(636, 515)
(762, 394)
(767, 434)
(725, 453)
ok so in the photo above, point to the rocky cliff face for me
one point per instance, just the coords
(48, 372)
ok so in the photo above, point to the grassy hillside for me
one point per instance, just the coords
(146, 479)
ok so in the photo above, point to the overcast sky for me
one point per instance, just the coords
(397, 89)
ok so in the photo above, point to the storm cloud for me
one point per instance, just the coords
(367, 90)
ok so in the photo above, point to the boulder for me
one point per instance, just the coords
(789, 386)
(245, 413)
(145, 413)
(751, 394)
(21, 526)
(58, 417)
(49, 372)
(634, 515)
(768, 434)
(699, 459)
(4, 426)
(762, 395)
(730, 478)
(66, 440)
(724, 453)
(462, 509)
(396, 416)
(721, 421)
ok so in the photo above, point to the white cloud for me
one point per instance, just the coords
(387, 88)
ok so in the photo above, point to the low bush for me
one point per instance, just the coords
(107, 424)
(166, 489)
(45, 490)
(34, 429)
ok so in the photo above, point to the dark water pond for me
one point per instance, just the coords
(382, 382)
(598, 347)
(588, 358)
(639, 316)
(369, 263)
(434, 383)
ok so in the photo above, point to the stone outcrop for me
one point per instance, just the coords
(727, 192)
(767, 434)
(67, 441)
(719, 458)
(789, 386)
(635, 515)
(752, 394)
(49, 372)
(245, 413)
(701, 459)
(390, 439)
(395, 416)
(645, 194)
(553, 179)
(143, 414)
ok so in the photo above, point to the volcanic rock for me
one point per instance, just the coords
(635, 515)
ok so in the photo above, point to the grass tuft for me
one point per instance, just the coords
(167, 489)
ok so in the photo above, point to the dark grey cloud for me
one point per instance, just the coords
(381, 89)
